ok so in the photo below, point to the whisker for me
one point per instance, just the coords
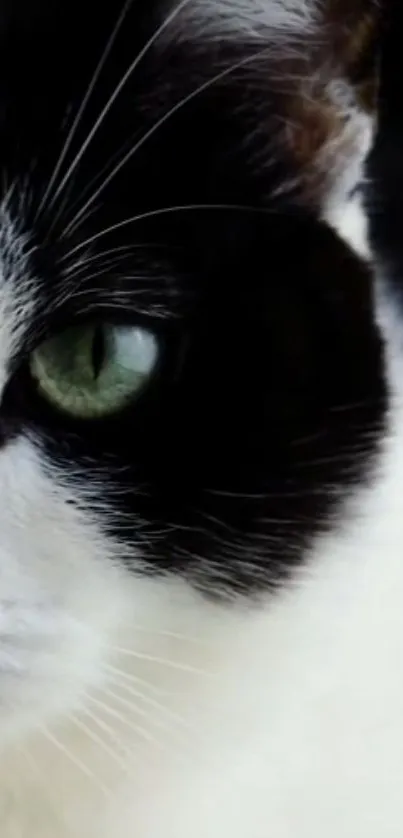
(81, 110)
(142, 656)
(238, 535)
(120, 717)
(77, 291)
(351, 406)
(119, 681)
(102, 172)
(103, 726)
(166, 633)
(154, 311)
(137, 710)
(100, 742)
(160, 122)
(121, 297)
(8, 190)
(144, 216)
(43, 781)
(86, 217)
(119, 252)
(135, 679)
(264, 495)
(112, 99)
(74, 760)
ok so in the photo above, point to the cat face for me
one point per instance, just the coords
(191, 377)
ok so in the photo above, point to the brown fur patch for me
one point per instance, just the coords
(329, 87)
(354, 27)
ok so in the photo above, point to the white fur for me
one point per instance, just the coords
(350, 221)
(249, 18)
(342, 157)
(133, 707)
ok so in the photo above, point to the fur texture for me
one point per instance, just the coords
(201, 629)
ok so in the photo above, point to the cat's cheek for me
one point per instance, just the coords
(63, 594)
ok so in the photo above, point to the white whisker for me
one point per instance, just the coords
(108, 730)
(175, 635)
(144, 216)
(100, 742)
(133, 707)
(118, 252)
(41, 779)
(135, 679)
(81, 110)
(142, 656)
(117, 292)
(160, 122)
(118, 89)
(121, 296)
(119, 679)
(120, 717)
(74, 760)
(90, 212)
(153, 311)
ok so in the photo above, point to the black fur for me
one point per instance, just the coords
(385, 201)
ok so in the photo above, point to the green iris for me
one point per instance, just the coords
(93, 371)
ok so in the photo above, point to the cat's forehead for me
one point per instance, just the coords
(75, 36)
(133, 124)
(302, 71)
(113, 111)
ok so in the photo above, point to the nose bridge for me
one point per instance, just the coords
(15, 317)
(15, 320)
(17, 295)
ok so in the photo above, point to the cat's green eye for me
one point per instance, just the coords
(93, 371)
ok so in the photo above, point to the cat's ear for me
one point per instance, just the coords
(327, 97)
(318, 66)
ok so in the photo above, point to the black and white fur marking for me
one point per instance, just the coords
(201, 626)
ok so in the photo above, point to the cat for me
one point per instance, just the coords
(201, 423)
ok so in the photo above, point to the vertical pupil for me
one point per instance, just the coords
(98, 350)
